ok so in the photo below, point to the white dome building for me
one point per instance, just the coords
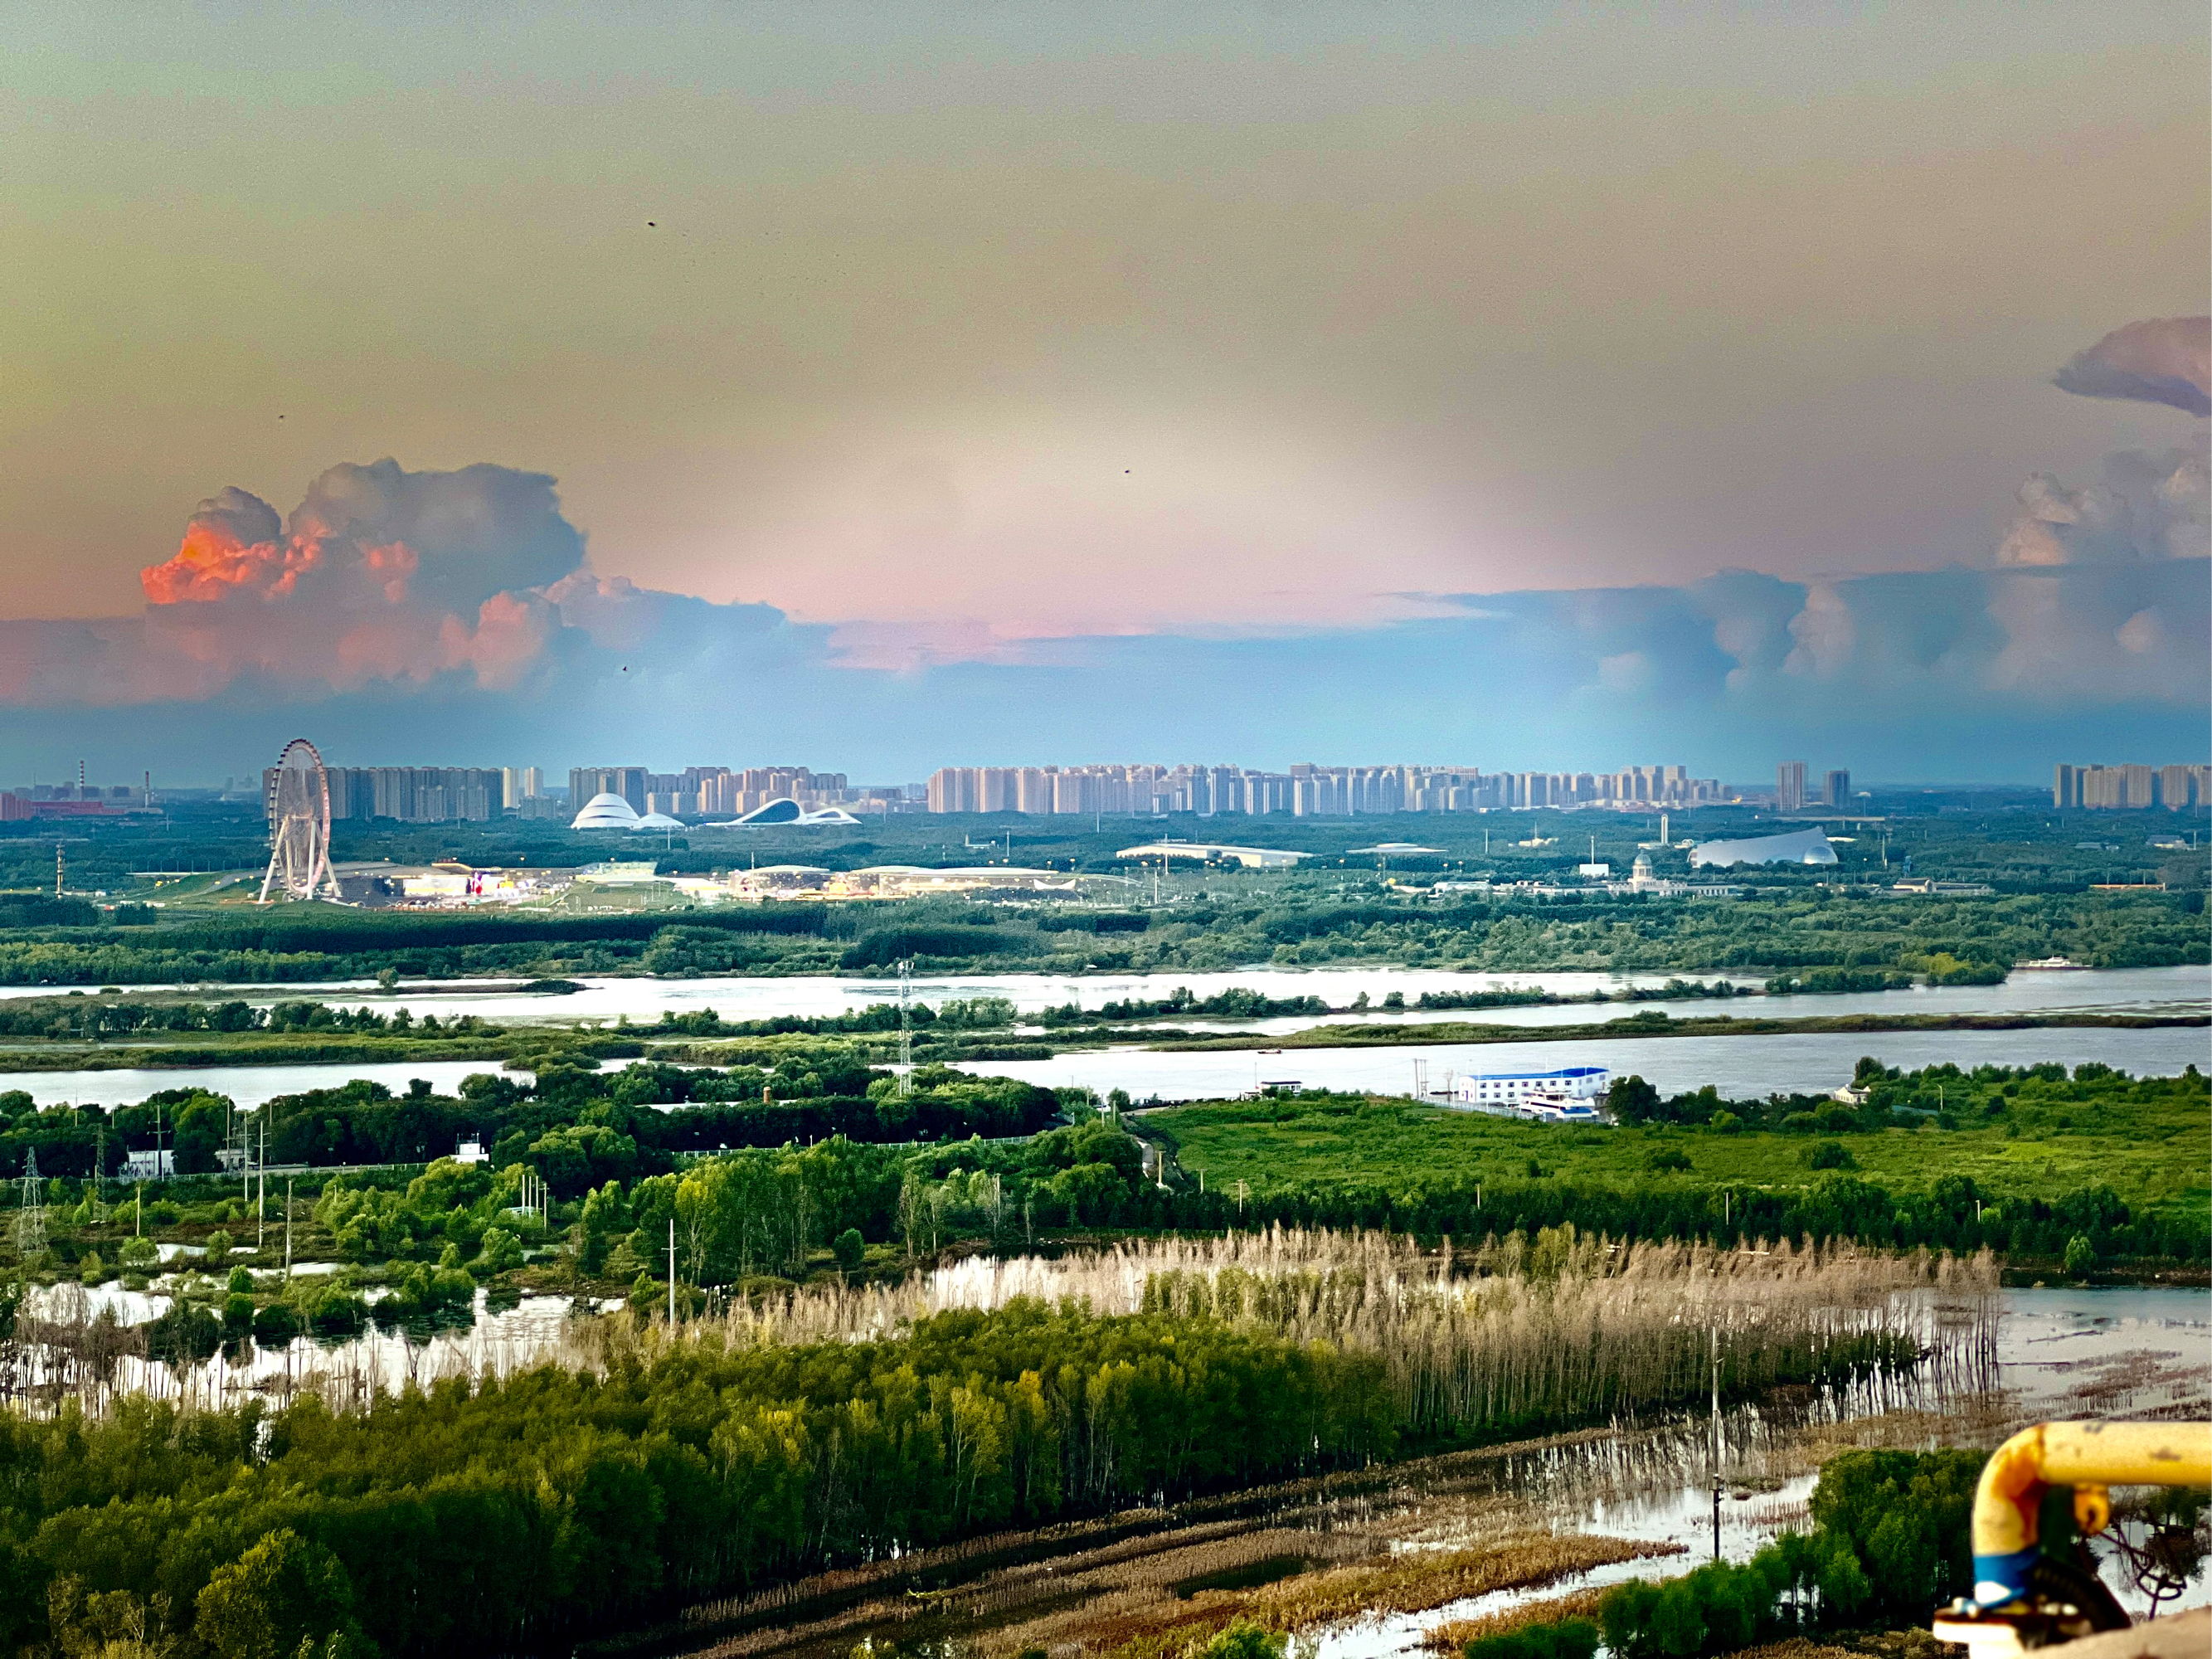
(606, 812)
(654, 821)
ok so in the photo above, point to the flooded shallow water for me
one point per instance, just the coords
(2055, 1351)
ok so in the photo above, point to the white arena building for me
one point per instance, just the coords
(605, 811)
(1799, 846)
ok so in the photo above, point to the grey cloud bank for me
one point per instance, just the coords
(1959, 674)
(2160, 360)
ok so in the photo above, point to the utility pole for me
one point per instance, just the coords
(288, 1230)
(672, 1275)
(57, 869)
(905, 1029)
(261, 1190)
(1717, 1442)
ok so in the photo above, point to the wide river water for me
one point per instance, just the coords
(643, 1000)
(1739, 1065)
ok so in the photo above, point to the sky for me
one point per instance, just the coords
(879, 386)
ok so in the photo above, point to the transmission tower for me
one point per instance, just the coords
(31, 1216)
(906, 1027)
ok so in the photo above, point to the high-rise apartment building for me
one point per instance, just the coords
(2185, 786)
(1306, 790)
(1789, 787)
(415, 794)
(2111, 788)
(627, 781)
(1836, 789)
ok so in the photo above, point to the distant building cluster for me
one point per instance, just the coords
(74, 800)
(1790, 788)
(2110, 788)
(1641, 880)
(722, 791)
(411, 794)
(1304, 791)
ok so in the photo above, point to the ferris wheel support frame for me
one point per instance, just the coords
(317, 824)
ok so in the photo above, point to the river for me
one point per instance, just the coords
(1740, 1066)
(643, 1000)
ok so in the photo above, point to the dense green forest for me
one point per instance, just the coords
(1795, 926)
(466, 1520)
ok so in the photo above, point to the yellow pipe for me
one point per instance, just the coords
(2089, 1456)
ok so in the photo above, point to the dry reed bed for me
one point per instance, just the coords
(1454, 1634)
(1528, 1561)
(1505, 1333)
(1133, 1620)
(1799, 1647)
(1115, 1578)
(1498, 1334)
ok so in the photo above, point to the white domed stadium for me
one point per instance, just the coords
(606, 812)
(655, 821)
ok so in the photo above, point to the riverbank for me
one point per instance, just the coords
(1660, 1024)
(522, 1049)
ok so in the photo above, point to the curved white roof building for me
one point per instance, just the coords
(784, 810)
(605, 811)
(1800, 847)
(655, 821)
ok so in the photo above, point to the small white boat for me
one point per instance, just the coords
(2052, 965)
(1557, 1106)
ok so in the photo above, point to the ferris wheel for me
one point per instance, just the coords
(298, 826)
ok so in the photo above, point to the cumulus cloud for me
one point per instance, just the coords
(375, 535)
(2148, 507)
(379, 575)
(380, 578)
(2161, 360)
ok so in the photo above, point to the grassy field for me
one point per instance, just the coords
(2154, 1151)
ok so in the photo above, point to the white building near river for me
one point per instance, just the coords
(1567, 1094)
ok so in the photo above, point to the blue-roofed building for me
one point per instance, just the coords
(1567, 1094)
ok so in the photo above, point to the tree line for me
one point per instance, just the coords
(472, 1519)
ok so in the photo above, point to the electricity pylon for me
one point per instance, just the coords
(31, 1216)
